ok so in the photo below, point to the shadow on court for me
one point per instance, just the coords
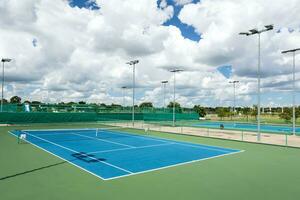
(32, 170)
(89, 158)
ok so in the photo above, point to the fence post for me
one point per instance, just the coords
(242, 135)
(286, 139)
(207, 132)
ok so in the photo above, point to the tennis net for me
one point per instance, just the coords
(57, 135)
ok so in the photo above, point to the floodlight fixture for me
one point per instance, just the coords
(292, 50)
(234, 81)
(253, 31)
(6, 60)
(244, 33)
(176, 70)
(269, 27)
(133, 62)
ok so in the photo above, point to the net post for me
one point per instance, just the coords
(18, 139)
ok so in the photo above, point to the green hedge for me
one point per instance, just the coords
(45, 117)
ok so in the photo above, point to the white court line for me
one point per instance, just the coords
(49, 134)
(212, 148)
(142, 172)
(111, 165)
(203, 147)
(120, 132)
(95, 138)
(80, 135)
(169, 166)
(141, 147)
(61, 158)
(67, 130)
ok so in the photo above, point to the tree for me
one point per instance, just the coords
(36, 102)
(146, 105)
(103, 105)
(27, 101)
(177, 105)
(286, 115)
(297, 112)
(254, 112)
(4, 101)
(15, 99)
(222, 112)
(200, 110)
(246, 112)
(82, 102)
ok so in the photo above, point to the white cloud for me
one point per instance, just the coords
(182, 2)
(81, 53)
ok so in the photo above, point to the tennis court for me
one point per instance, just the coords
(248, 127)
(114, 153)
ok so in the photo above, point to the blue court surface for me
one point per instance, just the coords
(109, 153)
(268, 128)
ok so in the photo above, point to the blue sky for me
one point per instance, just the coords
(186, 30)
(84, 4)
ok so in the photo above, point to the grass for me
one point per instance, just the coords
(261, 172)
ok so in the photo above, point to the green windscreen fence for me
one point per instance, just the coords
(15, 118)
(48, 117)
(10, 108)
(169, 116)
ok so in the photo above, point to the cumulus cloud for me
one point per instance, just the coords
(64, 53)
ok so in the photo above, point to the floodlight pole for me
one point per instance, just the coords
(164, 90)
(174, 92)
(294, 69)
(258, 91)
(123, 89)
(234, 86)
(3, 60)
(133, 63)
(258, 32)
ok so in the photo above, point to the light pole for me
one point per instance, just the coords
(123, 90)
(258, 32)
(3, 60)
(174, 92)
(133, 63)
(294, 66)
(234, 84)
(164, 90)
